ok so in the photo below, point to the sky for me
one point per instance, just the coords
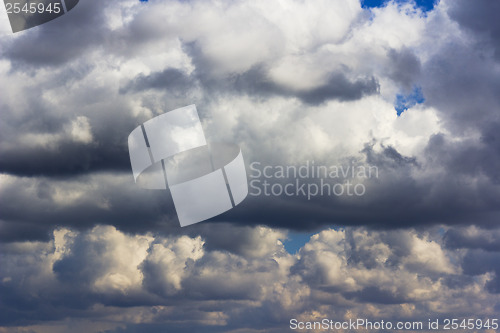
(411, 89)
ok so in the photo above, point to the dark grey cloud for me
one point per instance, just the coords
(338, 87)
(152, 328)
(110, 120)
(256, 82)
(134, 209)
(468, 158)
(482, 252)
(388, 158)
(65, 156)
(459, 82)
(169, 79)
(480, 17)
(67, 159)
(377, 296)
(473, 238)
(404, 67)
(477, 262)
(394, 200)
(61, 40)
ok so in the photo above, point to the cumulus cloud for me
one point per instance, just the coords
(322, 91)
(178, 281)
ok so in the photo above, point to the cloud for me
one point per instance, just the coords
(472, 237)
(82, 206)
(404, 67)
(55, 42)
(257, 81)
(177, 281)
(171, 79)
(308, 94)
(480, 19)
(483, 256)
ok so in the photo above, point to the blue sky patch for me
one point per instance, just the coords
(404, 102)
(296, 240)
(425, 5)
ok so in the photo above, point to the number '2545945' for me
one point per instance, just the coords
(26, 14)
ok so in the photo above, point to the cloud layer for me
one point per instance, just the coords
(320, 91)
(129, 281)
